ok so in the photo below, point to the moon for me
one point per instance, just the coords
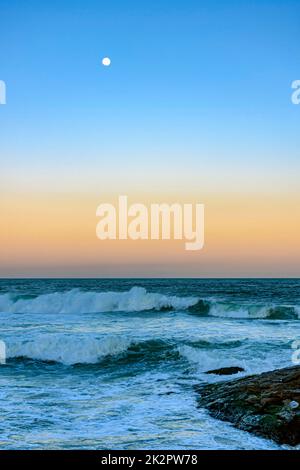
(106, 61)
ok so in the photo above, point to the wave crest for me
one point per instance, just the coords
(244, 311)
(136, 299)
(78, 349)
(68, 350)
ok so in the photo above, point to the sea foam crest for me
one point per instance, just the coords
(75, 301)
(271, 312)
(138, 299)
(68, 350)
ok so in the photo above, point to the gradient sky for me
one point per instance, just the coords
(195, 107)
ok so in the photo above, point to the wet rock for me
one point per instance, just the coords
(226, 371)
(266, 405)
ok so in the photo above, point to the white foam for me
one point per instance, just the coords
(5, 302)
(136, 299)
(227, 310)
(75, 301)
(207, 360)
(68, 349)
(253, 361)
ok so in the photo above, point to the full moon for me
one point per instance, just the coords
(106, 61)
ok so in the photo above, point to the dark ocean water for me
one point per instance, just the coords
(112, 364)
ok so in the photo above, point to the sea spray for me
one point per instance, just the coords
(137, 299)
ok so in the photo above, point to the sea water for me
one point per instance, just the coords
(113, 363)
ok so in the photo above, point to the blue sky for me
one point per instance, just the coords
(186, 77)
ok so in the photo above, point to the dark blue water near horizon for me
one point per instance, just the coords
(242, 288)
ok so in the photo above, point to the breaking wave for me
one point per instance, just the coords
(244, 311)
(138, 299)
(77, 349)
(82, 349)
(67, 350)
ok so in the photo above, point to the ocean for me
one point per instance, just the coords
(113, 363)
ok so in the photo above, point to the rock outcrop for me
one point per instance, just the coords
(226, 371)
(267, 405)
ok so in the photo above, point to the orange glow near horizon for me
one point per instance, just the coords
(55, 235)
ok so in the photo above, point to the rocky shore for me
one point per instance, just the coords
(267, 405)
